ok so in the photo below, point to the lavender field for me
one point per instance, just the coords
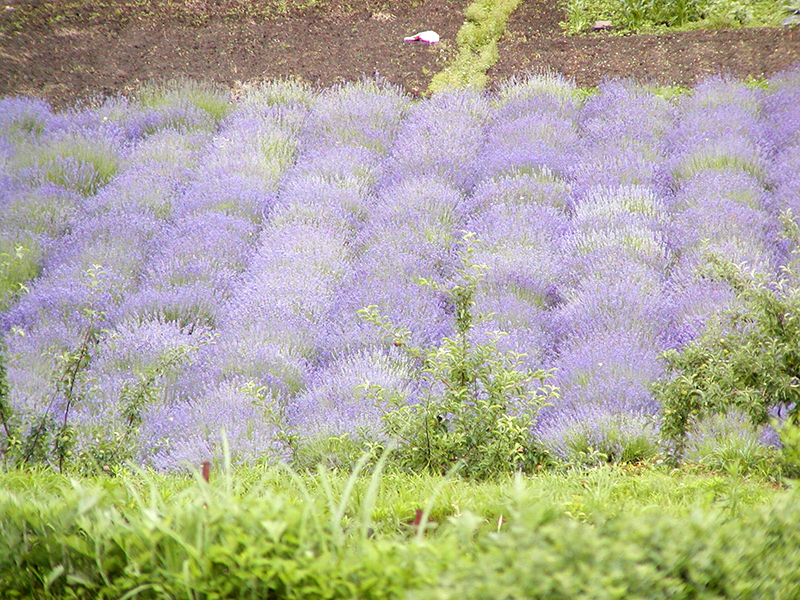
(180, 264)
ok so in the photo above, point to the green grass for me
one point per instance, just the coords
(255, 532)
(588, 494)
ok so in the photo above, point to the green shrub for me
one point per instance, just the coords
(477, 405)
(656, 15)
(749, 360)
(790, 449)
(649, 555)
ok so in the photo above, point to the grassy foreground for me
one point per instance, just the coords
(269, 532)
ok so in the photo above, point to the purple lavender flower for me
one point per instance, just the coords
(441, 138)
(731, 153)
(43, 213)
(23, 119)
(621, 163)
(135, 363)
(623, 112)
(182, 435)
(735, 231)
(691, 303)
(588, 433)
(171, 147)
(359, 115)
(721, 93)
(387, 277)
(783, 170)
(598, 306)
(528, 144)
(521, 189)
(551, 93)
(781, 122)
(76, 161)
(339, 400)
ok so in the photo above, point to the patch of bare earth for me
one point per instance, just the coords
(65, 51)
(534, 42)
(319, 46)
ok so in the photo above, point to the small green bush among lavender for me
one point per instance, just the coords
(748, 360)
(475, 405)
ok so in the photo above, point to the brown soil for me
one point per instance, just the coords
(81, 55)
(65, 51)
(534, 42)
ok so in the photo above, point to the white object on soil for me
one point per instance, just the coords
(429, 37)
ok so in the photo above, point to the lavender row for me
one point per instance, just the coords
(411, 230)
(612, 322)
(123, 250)
(266, 339)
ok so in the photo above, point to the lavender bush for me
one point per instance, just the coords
(190, 264)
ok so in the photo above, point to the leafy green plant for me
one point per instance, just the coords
(476, 403)
(658, 15)
(789, 458)
(8, 429)
(749, 360)
(18, 264)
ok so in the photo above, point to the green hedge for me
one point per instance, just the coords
(645, 556)
(139, 540)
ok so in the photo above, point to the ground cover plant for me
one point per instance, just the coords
(485, 23)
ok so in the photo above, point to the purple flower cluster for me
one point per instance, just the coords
(220, 253)
(415, 214)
